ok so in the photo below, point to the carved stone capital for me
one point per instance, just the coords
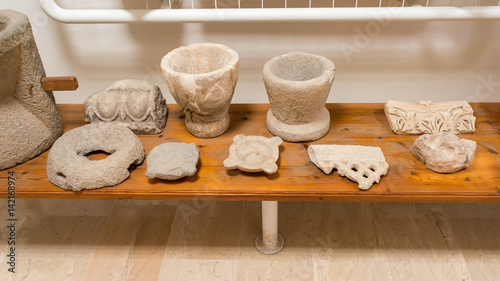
(426, 117)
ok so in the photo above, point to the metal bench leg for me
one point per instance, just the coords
(270, 241)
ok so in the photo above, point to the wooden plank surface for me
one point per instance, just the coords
(297, 178)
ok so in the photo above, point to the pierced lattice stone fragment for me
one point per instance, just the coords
(362, 164)
(426, 117)
(254, 154)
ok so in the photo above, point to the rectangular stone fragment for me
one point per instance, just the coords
(426, 117)
(137, 104)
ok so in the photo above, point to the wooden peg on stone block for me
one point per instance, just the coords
(63, 83)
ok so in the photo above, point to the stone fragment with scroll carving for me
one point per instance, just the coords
(137, 104)
(426, 117)
(362, 164)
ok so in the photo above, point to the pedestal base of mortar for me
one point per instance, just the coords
(311, 131)
(209, 129)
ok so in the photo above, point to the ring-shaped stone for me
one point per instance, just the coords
(69, 168)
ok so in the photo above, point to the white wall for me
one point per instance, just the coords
(399, 60)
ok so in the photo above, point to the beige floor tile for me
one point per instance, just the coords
(344, 231)
(55, 238)
(416, 243)
(132, 244)
(198, 269)
(204, 241)
(364, 269)
(475, 232)
(367, 241)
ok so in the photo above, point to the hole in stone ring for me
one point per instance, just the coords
(97, 155)
(365, 176)
(354, 169)
(59, 174)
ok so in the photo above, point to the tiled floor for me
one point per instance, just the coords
(208, 240)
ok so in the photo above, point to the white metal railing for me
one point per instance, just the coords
(123, 11)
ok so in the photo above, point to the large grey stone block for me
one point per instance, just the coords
(29, 119)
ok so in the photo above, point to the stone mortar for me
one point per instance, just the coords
(202, 78)
(298, 85)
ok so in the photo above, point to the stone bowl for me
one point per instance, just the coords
(202, 78)
(298, 85)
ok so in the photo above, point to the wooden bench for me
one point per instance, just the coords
(297, 178)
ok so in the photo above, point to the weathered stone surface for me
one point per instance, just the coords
(254, 154)
(425, 117)
(138, 104)
(444, 152)
(298, 85)
(362, 164)
(69, 168)
(172, 160)
(28, 116)
(202, 78)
